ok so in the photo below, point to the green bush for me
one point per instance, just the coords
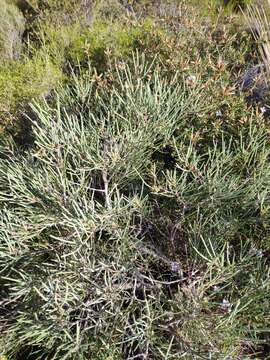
(69, 46)
(234, 4)
(241, 3)
(104, 43)
(119, 237)
(118, 42)
(57, 11)
(20, 82)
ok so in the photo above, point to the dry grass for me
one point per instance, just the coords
(257, 16)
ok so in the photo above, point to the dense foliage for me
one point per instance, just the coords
(134, 186)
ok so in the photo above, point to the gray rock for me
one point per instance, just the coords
(253, 82)
(12, 25)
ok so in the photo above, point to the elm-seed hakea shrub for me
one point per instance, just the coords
(118, 239)
(75, 278)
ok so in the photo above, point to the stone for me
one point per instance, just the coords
(12, 26)
(254, 82)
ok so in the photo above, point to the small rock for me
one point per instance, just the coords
(256, 252)
(12, 26)
(218, 113)
(226, 305)
(191, 80)
(254, 82)
(175, 267)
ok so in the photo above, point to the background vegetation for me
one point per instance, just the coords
(134, 183)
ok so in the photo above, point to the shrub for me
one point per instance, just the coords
(236, 3)
(104, 43)
(57, 11)
(70, 44)
(22, 81)
(119, 237)
(107, 42)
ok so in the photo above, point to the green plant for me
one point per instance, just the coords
(107, 42)
(104, 43)
(20, 83)
(120, 237)
(56, 11)
(234, 4)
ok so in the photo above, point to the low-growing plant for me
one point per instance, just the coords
(21, 82)
(56, 11)
(234, 4)
(121, 238)
(107, 42)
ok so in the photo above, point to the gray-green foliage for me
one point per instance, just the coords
(12, 26)
(107, 248)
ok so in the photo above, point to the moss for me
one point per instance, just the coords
(11, 29)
